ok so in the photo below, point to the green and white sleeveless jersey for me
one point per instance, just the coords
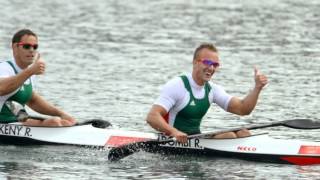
(186, 102)
(21, 95)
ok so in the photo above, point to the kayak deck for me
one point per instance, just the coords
(259, 148)
(83, 135)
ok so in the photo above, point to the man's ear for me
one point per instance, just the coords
(14, 45)
(194, 62)
(14, 48)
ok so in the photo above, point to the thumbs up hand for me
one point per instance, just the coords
(260, 79)
(38, 66)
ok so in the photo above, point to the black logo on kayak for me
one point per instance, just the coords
(193, 143)
(14, 130)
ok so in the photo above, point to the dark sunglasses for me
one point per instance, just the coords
(28, 46)
(209, 63)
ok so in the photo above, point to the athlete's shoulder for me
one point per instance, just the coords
(5, 69)
(215, 86)
(217, 90)
(174, 82)
(4, 64)
(173, 89)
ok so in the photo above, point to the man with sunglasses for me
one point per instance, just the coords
(185, 100)
(17, 81)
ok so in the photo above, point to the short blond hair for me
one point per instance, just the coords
(209, 46)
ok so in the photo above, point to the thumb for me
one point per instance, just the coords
(37, 57)
(256, 71)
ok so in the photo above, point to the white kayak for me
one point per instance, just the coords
(84, 135)
(259, 147)
(255, 148)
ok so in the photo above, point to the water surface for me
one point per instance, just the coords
(109, 59)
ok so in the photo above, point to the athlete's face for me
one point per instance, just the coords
(205, 65)
(25, 50)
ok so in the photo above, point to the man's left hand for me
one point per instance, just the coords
(260, 79)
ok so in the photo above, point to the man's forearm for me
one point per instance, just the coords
(159, 124)
(250, 101)
(10, 84)
(40, 105)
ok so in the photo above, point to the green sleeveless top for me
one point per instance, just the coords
(22, 96)
(189, 118)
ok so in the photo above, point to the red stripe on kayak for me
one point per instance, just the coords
(116, 141)
(301, 160)
(309, 150)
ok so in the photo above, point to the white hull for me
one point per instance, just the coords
(258, 147)
(85, 135)
(259, 144)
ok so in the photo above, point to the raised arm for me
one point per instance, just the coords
(246, 105)
(10, 84)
